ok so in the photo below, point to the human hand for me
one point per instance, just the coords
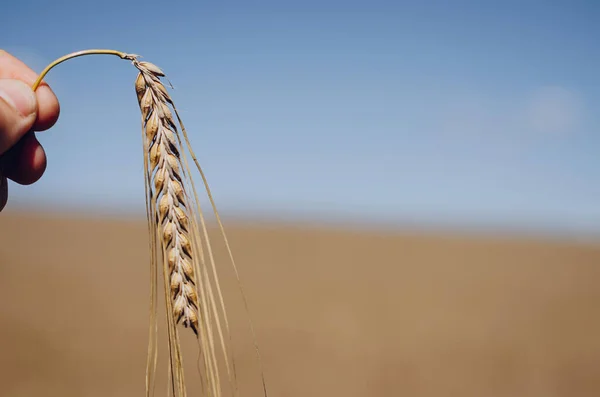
(22, 112)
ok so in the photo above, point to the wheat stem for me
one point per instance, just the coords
(120, 54)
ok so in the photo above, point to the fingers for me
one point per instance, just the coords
(22, 112)
(18, 111)
(25, 162)
(48, 106)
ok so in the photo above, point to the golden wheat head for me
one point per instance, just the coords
(172, 215)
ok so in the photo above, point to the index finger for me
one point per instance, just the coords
(48, 106)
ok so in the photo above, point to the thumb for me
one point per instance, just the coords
(18, 111)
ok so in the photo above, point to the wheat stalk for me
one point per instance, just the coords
(178, 239)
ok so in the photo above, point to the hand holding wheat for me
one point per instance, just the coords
(179, 245)
(22, 112)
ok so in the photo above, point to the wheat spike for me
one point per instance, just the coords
(172, 213)
(172, 221)
(177, 239)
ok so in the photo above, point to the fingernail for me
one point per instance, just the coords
(18, 95)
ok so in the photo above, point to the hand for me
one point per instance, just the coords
(22, 112)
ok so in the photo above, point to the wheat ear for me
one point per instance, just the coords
(174, 220)
(176, 241)
(170, 195)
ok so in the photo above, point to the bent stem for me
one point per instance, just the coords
(120, 54)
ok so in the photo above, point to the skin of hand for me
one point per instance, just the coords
(22, 113)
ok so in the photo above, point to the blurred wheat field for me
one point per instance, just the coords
(337, 313)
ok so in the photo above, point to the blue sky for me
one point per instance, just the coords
(462, 112)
